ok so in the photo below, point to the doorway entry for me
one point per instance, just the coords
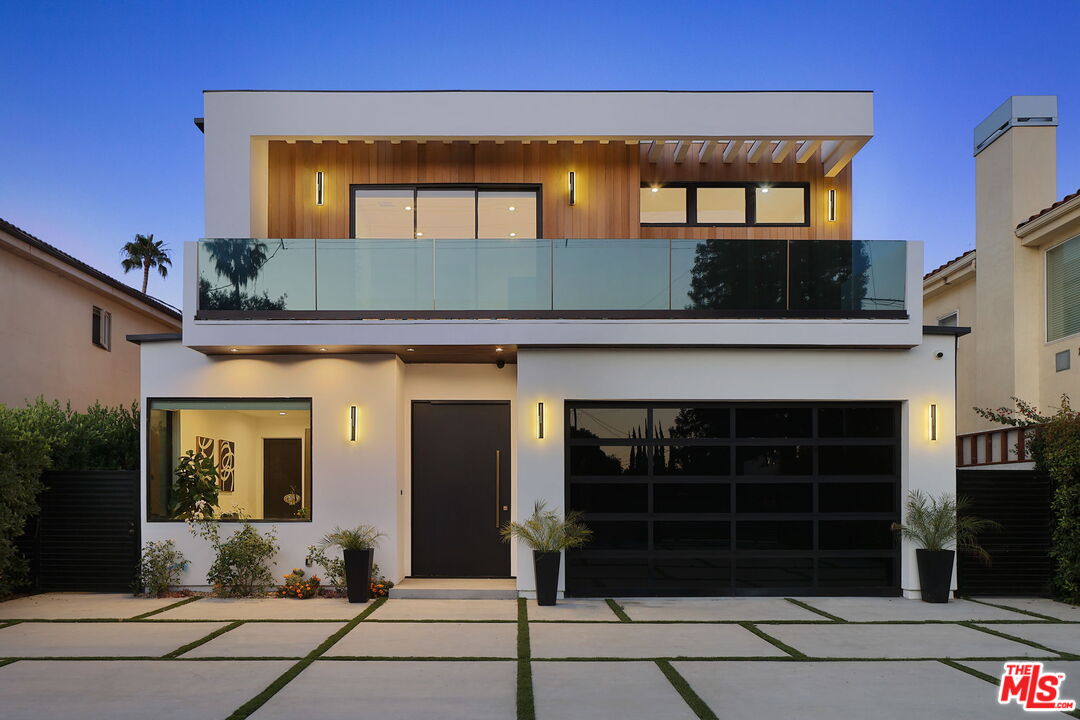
(460, 488)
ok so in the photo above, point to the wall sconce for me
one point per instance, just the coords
(832, 205)
(572, 188)
(319, 186)
(540, 421)
(933, 421)
(353, 423)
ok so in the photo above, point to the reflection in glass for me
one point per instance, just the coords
(847, 275)
(256, 274)
(622, 423)
(775, 460)
(691, 423)
(609, 460)
(692, 460)
(728, 274)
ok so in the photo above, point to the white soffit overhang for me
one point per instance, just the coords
(765, 127)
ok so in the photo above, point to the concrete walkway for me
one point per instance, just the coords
(87, 656)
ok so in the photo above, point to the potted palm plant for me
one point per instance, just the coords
(547, 533)
(934, 523)
(358, 551)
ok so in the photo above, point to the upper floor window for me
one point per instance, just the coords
(950, 320)
(446, 211)
(1063, 290)
(101, 329)
(738, 204)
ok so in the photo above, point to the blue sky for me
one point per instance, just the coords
(97, 141)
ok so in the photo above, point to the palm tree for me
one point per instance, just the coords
(145, 252)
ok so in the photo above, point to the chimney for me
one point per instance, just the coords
(1015, 177)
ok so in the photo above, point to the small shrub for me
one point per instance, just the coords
(194, 487)
(24, 453)
(380, 586)
(546, 531)
(333, 568)
(162, 566)
(298, 586)
(361, 537)
(934, 523)
(241, 566)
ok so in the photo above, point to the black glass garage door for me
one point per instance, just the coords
(734, 498)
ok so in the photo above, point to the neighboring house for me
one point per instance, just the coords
(63, 323)
(1019, 289)
(428, 310)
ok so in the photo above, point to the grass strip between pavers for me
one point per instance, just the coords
(185, 601)
(811, 608)
(1012, 609)
(1007, 636)
(618, 610)
(773, 641)
(203, 640)
(699, 706)
(526, 703)
(7, 662)
(289, 675)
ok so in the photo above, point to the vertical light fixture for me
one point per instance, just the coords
(933, 421)
(352, 423)
(572, 188)
(540, 421)
(832, 205)
(319, 187)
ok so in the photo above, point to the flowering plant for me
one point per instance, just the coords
(380, 586)
(298, 586)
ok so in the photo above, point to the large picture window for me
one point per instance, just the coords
(446, 212)
(261, 449)
(1063, 290)
(720, 204)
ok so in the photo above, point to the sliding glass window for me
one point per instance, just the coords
(259, 448)
(733, 204)
(446, 212)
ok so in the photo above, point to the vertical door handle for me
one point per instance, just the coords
(498, 472)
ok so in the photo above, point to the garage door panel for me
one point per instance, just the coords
(734, 498)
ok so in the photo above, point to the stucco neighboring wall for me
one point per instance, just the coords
(960, 296)
(45, 326)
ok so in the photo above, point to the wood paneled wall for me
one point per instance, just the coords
(608, 177)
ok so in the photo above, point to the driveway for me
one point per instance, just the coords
(108, 656)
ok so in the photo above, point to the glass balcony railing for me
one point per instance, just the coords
(732, 277)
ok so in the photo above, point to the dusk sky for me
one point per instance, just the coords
(97, 141)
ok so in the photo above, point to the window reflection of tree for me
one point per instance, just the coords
(239, 262)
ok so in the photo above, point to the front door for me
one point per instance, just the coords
(460, 488)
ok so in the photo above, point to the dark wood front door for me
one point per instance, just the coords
(460, 488)
(283, 473)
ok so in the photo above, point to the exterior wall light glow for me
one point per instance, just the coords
(933, 421)
(832, 205)
(540, 421)
(319, 188)
(353, 423)
(572, 188)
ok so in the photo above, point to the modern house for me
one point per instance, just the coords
(63, 323)
(1019, 289)
(427, 311)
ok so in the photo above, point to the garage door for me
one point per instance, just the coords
(734, 498)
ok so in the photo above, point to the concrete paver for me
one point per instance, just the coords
(590, 690)
(110, 639)
(1063, 638)
(860, 609)
(267, 640)
(264, 609)
(826, 691)
(840, 640)
(75, 606)
(573, 609)
(398, 689)
(632, 640)
(409, 609)
(715, 609)
(1043, 606)
(428, 640)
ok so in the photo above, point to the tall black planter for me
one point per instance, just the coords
(546, 567)
(358, 574)
(935, 574)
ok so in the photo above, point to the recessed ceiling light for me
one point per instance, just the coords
(656, 189)
(322, 349)
(764, 189)
(419, 234)
(281, 413)
(410, 349)
(498, 349)
(233, 350)
(408, 207)
(511, 208)
(513, 234)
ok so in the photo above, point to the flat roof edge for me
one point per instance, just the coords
(956, 330)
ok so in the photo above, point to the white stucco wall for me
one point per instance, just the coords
(914, 377)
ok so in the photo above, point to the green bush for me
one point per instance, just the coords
(194, 488)
(241, 566)
(1056, 450)
(101, 438)
(333, 567)
(24, 453)
(161, 567)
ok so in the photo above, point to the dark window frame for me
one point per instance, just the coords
(101, 328)
(310, 459)
(751, 203)
(653, 556)
(477, 188)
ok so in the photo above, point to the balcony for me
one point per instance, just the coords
(351, 279)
